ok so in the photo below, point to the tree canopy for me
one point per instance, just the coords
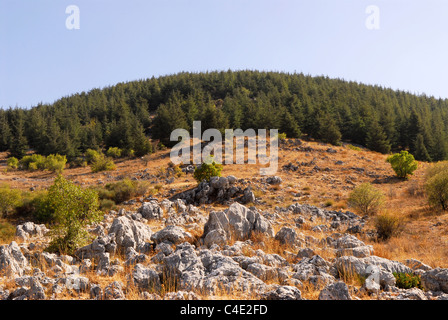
(127, 114)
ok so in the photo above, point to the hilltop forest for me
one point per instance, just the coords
(329, 110)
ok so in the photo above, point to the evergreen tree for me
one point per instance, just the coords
(377, 139)
(5, 132)
(289, 125)
(421, 153)
(19, 142)
(328, 130)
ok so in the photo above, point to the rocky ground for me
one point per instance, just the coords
(175, 250)
(240, 236)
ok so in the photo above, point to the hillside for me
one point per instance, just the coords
(329, 110)
(303, 253)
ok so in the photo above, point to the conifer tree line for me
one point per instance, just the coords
(330, 110)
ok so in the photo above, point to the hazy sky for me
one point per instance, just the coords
(41, 60)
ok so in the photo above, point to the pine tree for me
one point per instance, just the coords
(5, 132)
(289, 125)
(421, 153)
(377, 139)
(328, 130)
(19, 143)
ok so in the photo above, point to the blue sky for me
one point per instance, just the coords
(41, 60)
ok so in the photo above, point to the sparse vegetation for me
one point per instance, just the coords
(114, 152)
(9, 199)
(12, 163)
(387, 225)
(122, 191)
(407, 280)
(436, 185)
(366, 199)
(102, 163)
(207, 170)
(7, 231)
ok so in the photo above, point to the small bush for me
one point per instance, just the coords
(352, 147)
(12, 163)
(9, 199)
(78, 162)
(123, 190)
(403, 164)
(92, 155)
(282, 136)
(7, 231)
(107, 204)
(436, 185)
(55, 163)
(129, 153)
(387, 226)
(114, 152)
(102, 163)
(33, 162)
(74, 209)
(207, 170)
(407, 280)
(37, 206)
(366, 199)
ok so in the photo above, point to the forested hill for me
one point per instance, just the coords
(124, 115)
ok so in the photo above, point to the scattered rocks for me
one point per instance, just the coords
(219, 190)
(28, 230)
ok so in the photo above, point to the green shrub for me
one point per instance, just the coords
(37, 206)
(74, 209)
(125, 190)
(12, 163)
(436, 185)
(55, 163)
(114, 152)
(92, 155)
(107, 204)
(33, 162)
(282, 136)
(9, 199)
(387, 226)
(102, 163)
(407, 280)
(366, 199)
(352, 147)
(403, 164)
(7, 231)
(78, 162)
(207, 170)
(129, 153)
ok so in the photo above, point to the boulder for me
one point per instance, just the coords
(129, 233)
(114, 291)
(237, 222)
(435, 280)
(146, 278)
(151, 210)
(283, 293)
(12, 261)
(335, 291)
(289, 237)
(172, 234)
